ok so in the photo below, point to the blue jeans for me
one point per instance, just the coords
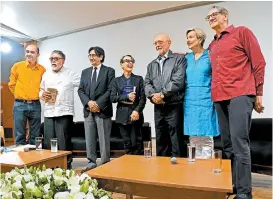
(22, 112)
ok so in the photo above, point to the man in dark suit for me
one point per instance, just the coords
(164, 86)
(94, 92)
(128, 91)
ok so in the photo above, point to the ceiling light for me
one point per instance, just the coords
(5, 47)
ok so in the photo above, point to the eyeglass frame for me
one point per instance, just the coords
(128, 61)
(55, 58)
(214, 14)
(92, 55)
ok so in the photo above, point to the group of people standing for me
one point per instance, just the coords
(213, 89)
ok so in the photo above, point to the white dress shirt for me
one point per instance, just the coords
(64, 81)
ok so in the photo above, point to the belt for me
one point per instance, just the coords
(27, 101)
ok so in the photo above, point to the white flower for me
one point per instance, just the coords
(69, 172)
(4, 190)
(61, 195)
(17, 185)
(104, 197)
(83, 176)
(72, 181)
(79, 195)
(22, 171)
(18, 178)
(28, 177)
(46, 188)
(89, 196)
(74, 189)
(58, 171)
(91, 188)
(48, 172)
(30, 185)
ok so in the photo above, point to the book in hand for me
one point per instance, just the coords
(127, 90)
(53, 92)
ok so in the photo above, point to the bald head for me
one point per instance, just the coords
(162, 43)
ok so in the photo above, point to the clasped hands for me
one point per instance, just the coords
(157, 99)
(93, 107)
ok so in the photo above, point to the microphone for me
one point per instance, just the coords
(173, 160)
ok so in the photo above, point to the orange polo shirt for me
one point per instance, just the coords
(25, 81)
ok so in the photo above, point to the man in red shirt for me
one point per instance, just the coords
(237, 87)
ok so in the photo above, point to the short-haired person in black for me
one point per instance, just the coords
(128, 91)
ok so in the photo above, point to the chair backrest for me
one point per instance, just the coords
(2, 135)
(261, 129)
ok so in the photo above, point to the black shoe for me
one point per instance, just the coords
(90, 166)
(243, 196)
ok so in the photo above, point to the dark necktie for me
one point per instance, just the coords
(93, 83)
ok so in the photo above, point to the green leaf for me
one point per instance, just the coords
(14, 195)
(70, 173)
(50, 193)
(23, 182)
(36, 192)
(43, 168)
(17, 170)
(84, 188)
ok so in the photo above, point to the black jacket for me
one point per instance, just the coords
(102, 91)
(171, 83)
(124, 110)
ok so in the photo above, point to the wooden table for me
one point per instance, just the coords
(10, 160)
(157, 178)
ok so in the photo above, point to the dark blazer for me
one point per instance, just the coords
(102, 91)
(124, 110)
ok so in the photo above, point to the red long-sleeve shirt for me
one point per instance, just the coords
(237, 64)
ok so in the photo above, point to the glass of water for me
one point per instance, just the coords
(54, 145)
(191, 152)
(38, 143)
(147, 149)
(217, 161)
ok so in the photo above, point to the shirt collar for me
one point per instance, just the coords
(229, 29)
(28, 65)
(98, 67)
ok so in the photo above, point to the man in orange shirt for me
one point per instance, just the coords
(24, 83)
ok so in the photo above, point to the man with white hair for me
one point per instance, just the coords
(164, 86)
(237, 87)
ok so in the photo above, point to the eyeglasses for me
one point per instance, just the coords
(92, 55)
(158, 42)
(55, 58)
(212, 15)
(128, 61)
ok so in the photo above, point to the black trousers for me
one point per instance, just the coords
(168, 129)
(59, 127)
(234, 122)
(132, 137)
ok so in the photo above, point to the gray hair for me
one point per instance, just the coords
(220, 9)
(200, 34)
(59, 53)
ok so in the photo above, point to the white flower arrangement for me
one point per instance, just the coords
(31, 183)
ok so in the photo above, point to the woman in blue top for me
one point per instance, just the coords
(200, 119)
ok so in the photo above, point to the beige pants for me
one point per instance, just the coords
(204, 146)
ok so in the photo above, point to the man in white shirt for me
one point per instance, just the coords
(59, 112)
